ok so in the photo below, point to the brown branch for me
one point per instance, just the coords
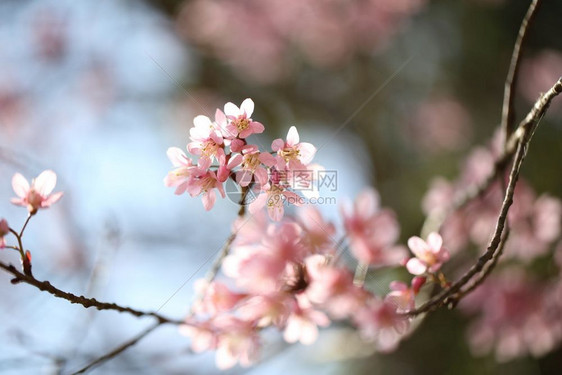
(120, 349)
(81, 300)
(522, 138)
(508, 111)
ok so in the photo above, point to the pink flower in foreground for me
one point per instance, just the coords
(204, 182)
(216, 297)
(430, 255)
(207, 142)
(402, 296)
(372, 232)
(179, 177)
(273, 197)
(252, 164)
(293, 154)
(379, 322)
(4, 230)
(238, 342)
(38, 195)
(302, 324)
(241, 125)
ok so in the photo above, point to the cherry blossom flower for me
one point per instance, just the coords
(402, 296)
(379, 322)
(181, 176)
(302, 325)
(4, 230)
(38, 194)
(241, 124)
(216, 297)
(252, 164)
(318, 233)
(372, 232)
(273, 197)
(202, 334)
(293, 154)
(205, 182)
(238, 341)
(266, 310)
(429, 256)
(207, 142)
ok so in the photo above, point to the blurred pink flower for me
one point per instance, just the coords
(38, 195)
(319, 234)
(238, 341)
(429, 255)
(372, 232)
(403, 296)
(379, 322)
(217, 298)
(302, 325)
(4, 230)
(273, 197)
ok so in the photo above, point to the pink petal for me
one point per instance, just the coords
(202, 122)
(235, 161)
(248, 107)
(398, 286)
(256, 127)
(177, 157)
(257, 204)
(292, 136)
(307, 152)
(434, 241)
(367, 203)
(267, 159)
(277, 144)
(53, 198)
(209, 199)
(220, 118)
(20, 185)
(261, 175)
(230, 109)
(244, 177)
(418, 246)
(45, 182)
(236, 145)
(415, 266)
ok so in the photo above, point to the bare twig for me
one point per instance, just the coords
(508, 112)
(81, 300)
(522, 137)
(120, 349)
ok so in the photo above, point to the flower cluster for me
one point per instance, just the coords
(223, 152)
(290, 276)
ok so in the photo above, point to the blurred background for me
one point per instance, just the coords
(392, 92)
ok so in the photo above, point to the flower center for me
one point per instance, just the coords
(251, 162)
(242, 123)
(289, 153)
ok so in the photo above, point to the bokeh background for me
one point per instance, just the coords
(392, 92)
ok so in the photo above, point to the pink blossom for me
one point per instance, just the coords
(4, 230)
(216, 298)
(372, 232)
(205, 183)
(241, 125)
(302, 325)
(238, 341)
(293, 154)
(332, 288)
(402, 296)
(38, 195)
(429, 256)
(181, 176)
(266, 310)
(206, 142)
(319, 234)
(379, 322)
(203, 336)
(273, 197)
(252, 164)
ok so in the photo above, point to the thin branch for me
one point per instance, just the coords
(508, 111)
(523, 136)
(120, 349)
(25, 225)
(81, 300)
